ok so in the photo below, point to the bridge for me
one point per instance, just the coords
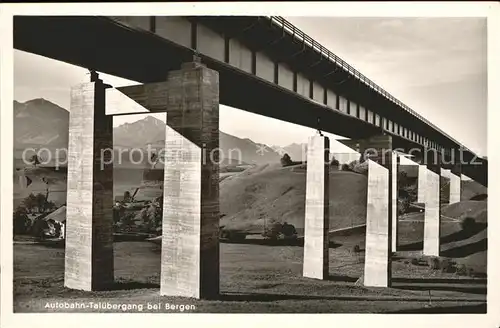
(264, 65)
(296, 79)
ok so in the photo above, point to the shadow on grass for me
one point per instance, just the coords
(254, 297)
(416, 246)
(129, 285)
(452, 288)
(480, 197)
(479, 308)
(50, 243)
(269, 242)
(466, 250)
(463, 234)
(342, 278)
(478, 281)
(265, 297)
(456, 236)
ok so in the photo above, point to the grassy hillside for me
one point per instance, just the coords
(261, 195)
(467, 247)
(471, 188)
(268, 193)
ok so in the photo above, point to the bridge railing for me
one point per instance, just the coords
(292, 29)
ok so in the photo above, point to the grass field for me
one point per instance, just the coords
(255, 277)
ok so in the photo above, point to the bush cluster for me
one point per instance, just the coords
(447, 265)
(356, 249)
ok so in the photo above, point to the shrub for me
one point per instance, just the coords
(415, 261)
(353, 164)
(334, 162)
(468, 224)
(403, 205)
(461, 269)
(29, 203)
(21, 221)
(356, 249)
(447, 265)
(345, 167)
(286, 160)
(361, 168)
(434, 263)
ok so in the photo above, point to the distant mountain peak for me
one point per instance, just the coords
(37, 101)
(152, 119)
(40, 122)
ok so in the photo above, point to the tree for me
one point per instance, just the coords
(30, 203)
(50, 205)
(154, 159)
(286, 160)
(345, 167)
(468, 224)
(127, 197)
(335, 162)
(35, 160)
(21, 220)
(352, 165)
(41, 201)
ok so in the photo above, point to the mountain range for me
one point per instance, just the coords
(40, 123)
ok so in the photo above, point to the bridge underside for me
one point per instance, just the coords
(107, 46)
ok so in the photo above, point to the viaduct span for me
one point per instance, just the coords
(263, 65)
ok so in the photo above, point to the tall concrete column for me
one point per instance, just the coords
(394, 199)
(378, 228)
(445, 186)
(316, 242)
(89, 223)
(421, 183)
(190, 244)
(378, 151)
(455, 183)
(432, 216)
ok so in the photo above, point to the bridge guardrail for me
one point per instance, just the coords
(283, 23)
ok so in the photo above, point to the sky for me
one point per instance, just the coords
(436, 66)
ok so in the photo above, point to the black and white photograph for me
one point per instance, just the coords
(238, 162)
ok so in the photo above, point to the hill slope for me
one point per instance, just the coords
(259, 196)
(39, 122)
(468, 247)
(471, 188)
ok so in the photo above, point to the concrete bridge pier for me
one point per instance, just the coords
(89, 227)
(378, 152)
(455, 183)
(190, 242)
(379, 217)
(395, 161)
(432, 216)
(316, 242)
(421, 183)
